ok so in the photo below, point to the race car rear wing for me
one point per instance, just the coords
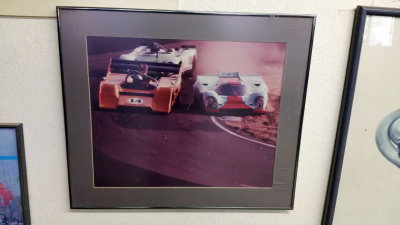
(188, 46)
(121, 64)
(229, 75)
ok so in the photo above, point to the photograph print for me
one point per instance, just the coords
(13, 203)
(184, 113)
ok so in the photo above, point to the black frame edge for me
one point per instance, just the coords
(344, 115)
(182, 12)
(64, 104)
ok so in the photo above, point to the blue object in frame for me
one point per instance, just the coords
(11, 210)
(388, 137)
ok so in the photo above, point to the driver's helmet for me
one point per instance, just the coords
(138, 77)
(155, 47)
(134, 78)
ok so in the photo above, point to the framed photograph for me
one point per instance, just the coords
(14, 202)
(174, 109)
(365, 174)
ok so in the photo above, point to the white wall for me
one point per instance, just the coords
(30, 92)
(46, 8)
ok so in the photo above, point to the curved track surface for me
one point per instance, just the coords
(187, 147)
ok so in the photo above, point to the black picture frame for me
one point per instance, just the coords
(76, 25)
(20, 206)
(352, 75)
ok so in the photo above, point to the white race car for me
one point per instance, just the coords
(229, 92)
(156, 53)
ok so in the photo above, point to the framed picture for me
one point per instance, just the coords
(14, 202)
(365, 174)
(183, 109)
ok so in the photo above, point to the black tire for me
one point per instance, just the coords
(201, 104)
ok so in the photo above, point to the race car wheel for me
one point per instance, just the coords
(199, 102)
(211, 102)
(259, 102)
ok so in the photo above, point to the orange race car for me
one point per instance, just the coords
(141, 84)
(148, 77)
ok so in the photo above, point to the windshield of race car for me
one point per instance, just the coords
(231, 90)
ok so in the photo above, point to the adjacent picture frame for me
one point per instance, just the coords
(14, 203)
(365, 167)
(176, 109)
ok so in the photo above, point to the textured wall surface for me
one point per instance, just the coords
(30, 92)
(46, 8)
